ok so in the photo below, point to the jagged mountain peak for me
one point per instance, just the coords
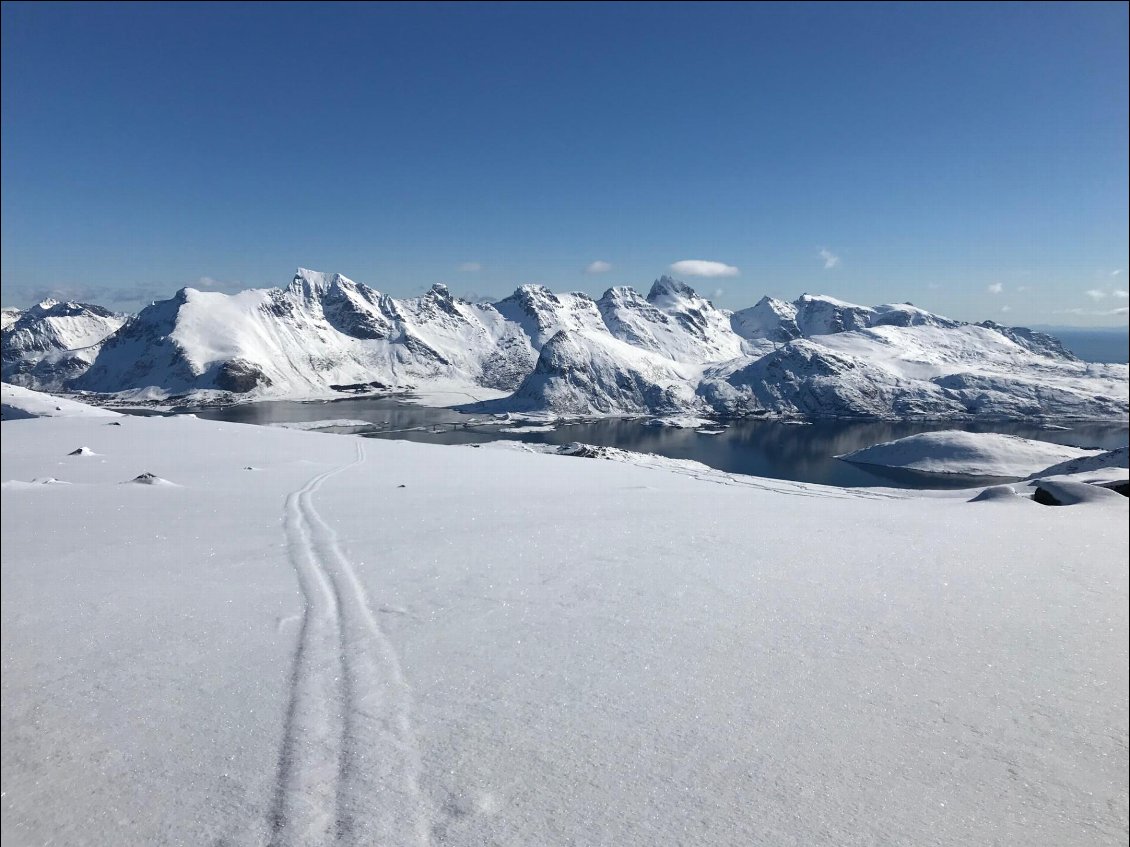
(669, 287)
(314, 284)
(532, 297)
(623, 294)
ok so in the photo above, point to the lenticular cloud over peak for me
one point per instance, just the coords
(703, 267)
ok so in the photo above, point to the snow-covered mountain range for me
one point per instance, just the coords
(52, 343)
(669, 352)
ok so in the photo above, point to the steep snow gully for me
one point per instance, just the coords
(349, 765)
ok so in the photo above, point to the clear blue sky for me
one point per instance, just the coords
(969, 158)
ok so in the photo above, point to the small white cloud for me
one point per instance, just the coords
(208, 282)
(933, 286)
(598, 267)
(1121, 310)
(718, 292)
(470, 267)
(1116, 272)
(831, 260)
(1006, 308)
(1121, 295)
(995, 288)
(702, 267)
(1022, 288)
(1096, 294)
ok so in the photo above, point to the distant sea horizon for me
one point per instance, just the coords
(1093, 344)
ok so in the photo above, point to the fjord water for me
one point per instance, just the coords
(800, 452)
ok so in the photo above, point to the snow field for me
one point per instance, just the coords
(404, 643)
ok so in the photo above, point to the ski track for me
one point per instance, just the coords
(349, 765)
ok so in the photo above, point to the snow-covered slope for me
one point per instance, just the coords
(8, 316)
(771, 319)
(669, 352)
(52, 342)
(968, 453)
(594, 373)
(18, 403)
(319, 332)
(1119, 458)
(322, 639)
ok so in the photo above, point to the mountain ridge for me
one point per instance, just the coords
(623, 353)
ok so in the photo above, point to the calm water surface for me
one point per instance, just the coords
(804, 453)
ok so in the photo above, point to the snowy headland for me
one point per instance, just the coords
(305, 638)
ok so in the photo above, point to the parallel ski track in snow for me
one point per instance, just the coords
(349, 766)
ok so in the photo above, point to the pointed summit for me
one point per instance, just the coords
(667, 286)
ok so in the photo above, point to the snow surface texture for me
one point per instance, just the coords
(669, 353)
(968, 453)
(380, 642)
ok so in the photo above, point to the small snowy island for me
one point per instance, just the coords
(968, 454)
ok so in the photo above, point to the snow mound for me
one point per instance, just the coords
(82, 451)
(1119, 458)
(19, 403)
(1062, 492)
(966, 453)
(996, 492)
(149, 479)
